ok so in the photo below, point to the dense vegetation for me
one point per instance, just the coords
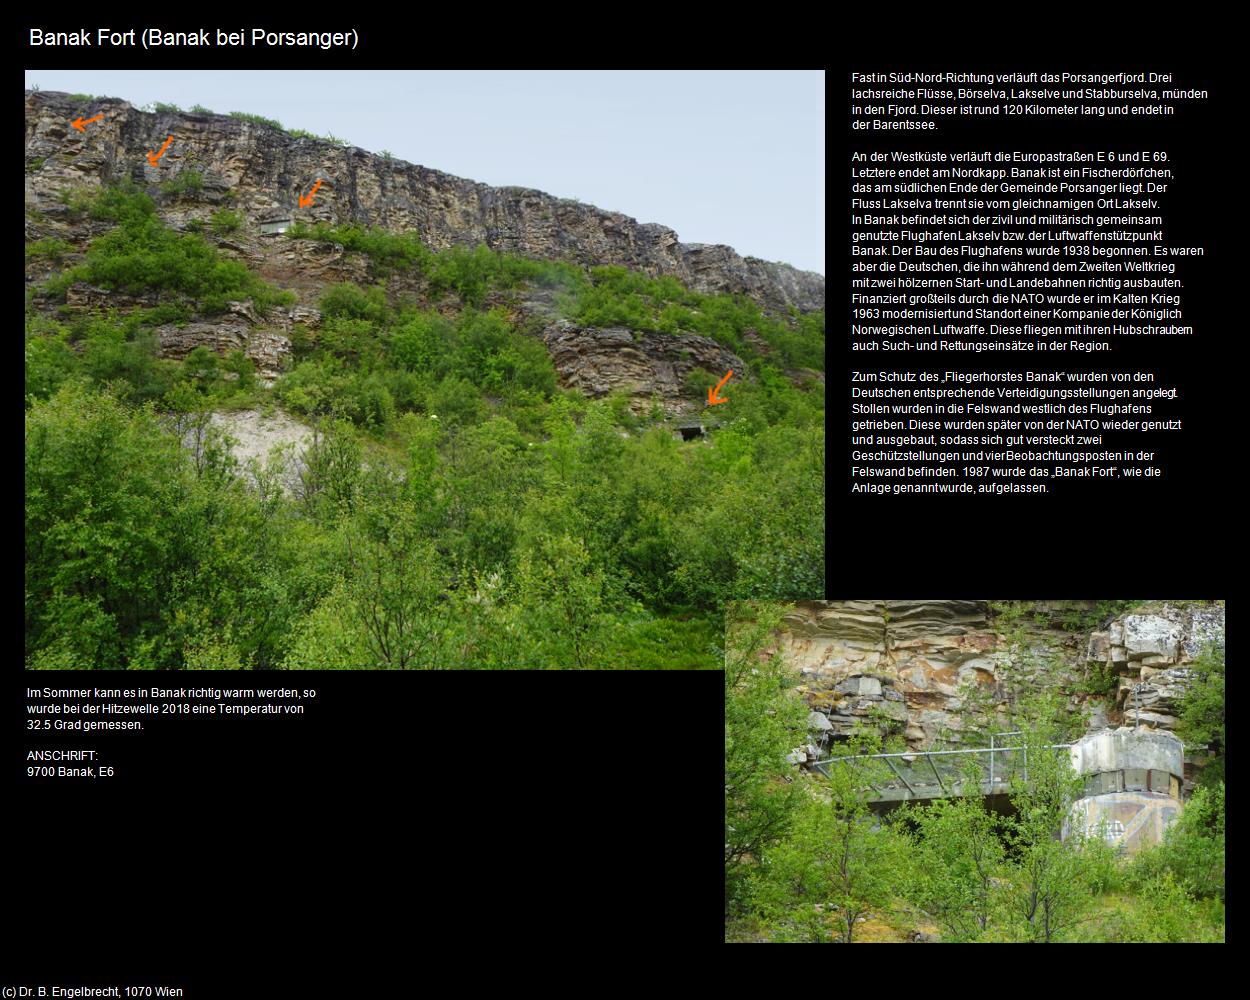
(807, 860)
(457, 508)
(608, 295)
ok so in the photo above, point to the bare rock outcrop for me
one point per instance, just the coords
(1152, 649)
(268, 349)
(261, 171)
(646, 365)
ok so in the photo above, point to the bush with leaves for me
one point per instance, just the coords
(957, 862)
(1193, 847)
(836, 866)
(764, 721)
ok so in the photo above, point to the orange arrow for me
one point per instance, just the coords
(79, 124)
(161, 152)
(305, 202)
(712, 394)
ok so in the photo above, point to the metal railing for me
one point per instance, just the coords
(912, 756)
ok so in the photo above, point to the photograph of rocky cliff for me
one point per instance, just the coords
(295, 403)
(975, 771)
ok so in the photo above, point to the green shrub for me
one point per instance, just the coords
(48, 249)
(125, 203)
(422, 342)
(166, 109)
(346, 337)
(203, 367)
(225, 221)
(166, 312)
(697, 382)
(77, 199)
(468, 273)
(199, 109)
(1193, 848)
(311, 386)
(497, 360)
(187, 181)
(49, 362)
(384, 249)
(301, 342)
(36, 164)
(456, 401)
(325, 386)
(110, 358)
(140, 254)
(353, 302)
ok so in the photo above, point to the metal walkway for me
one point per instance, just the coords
(934, 774)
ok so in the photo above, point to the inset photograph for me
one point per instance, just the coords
(974, 771)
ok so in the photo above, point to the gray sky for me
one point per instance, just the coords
(721, 157)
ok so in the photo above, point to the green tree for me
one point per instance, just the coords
(103, 487)
(1192, 849)
(396, 583)
(562, 593)
(1048, 891)
(1162, 911)
(957, 862)
(1202, 711)
(329, 471)
(837, 865)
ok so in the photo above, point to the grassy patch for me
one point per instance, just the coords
(77, 199)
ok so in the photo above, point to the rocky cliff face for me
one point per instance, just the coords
(921, 664)
(265, 170)
(598, 361)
